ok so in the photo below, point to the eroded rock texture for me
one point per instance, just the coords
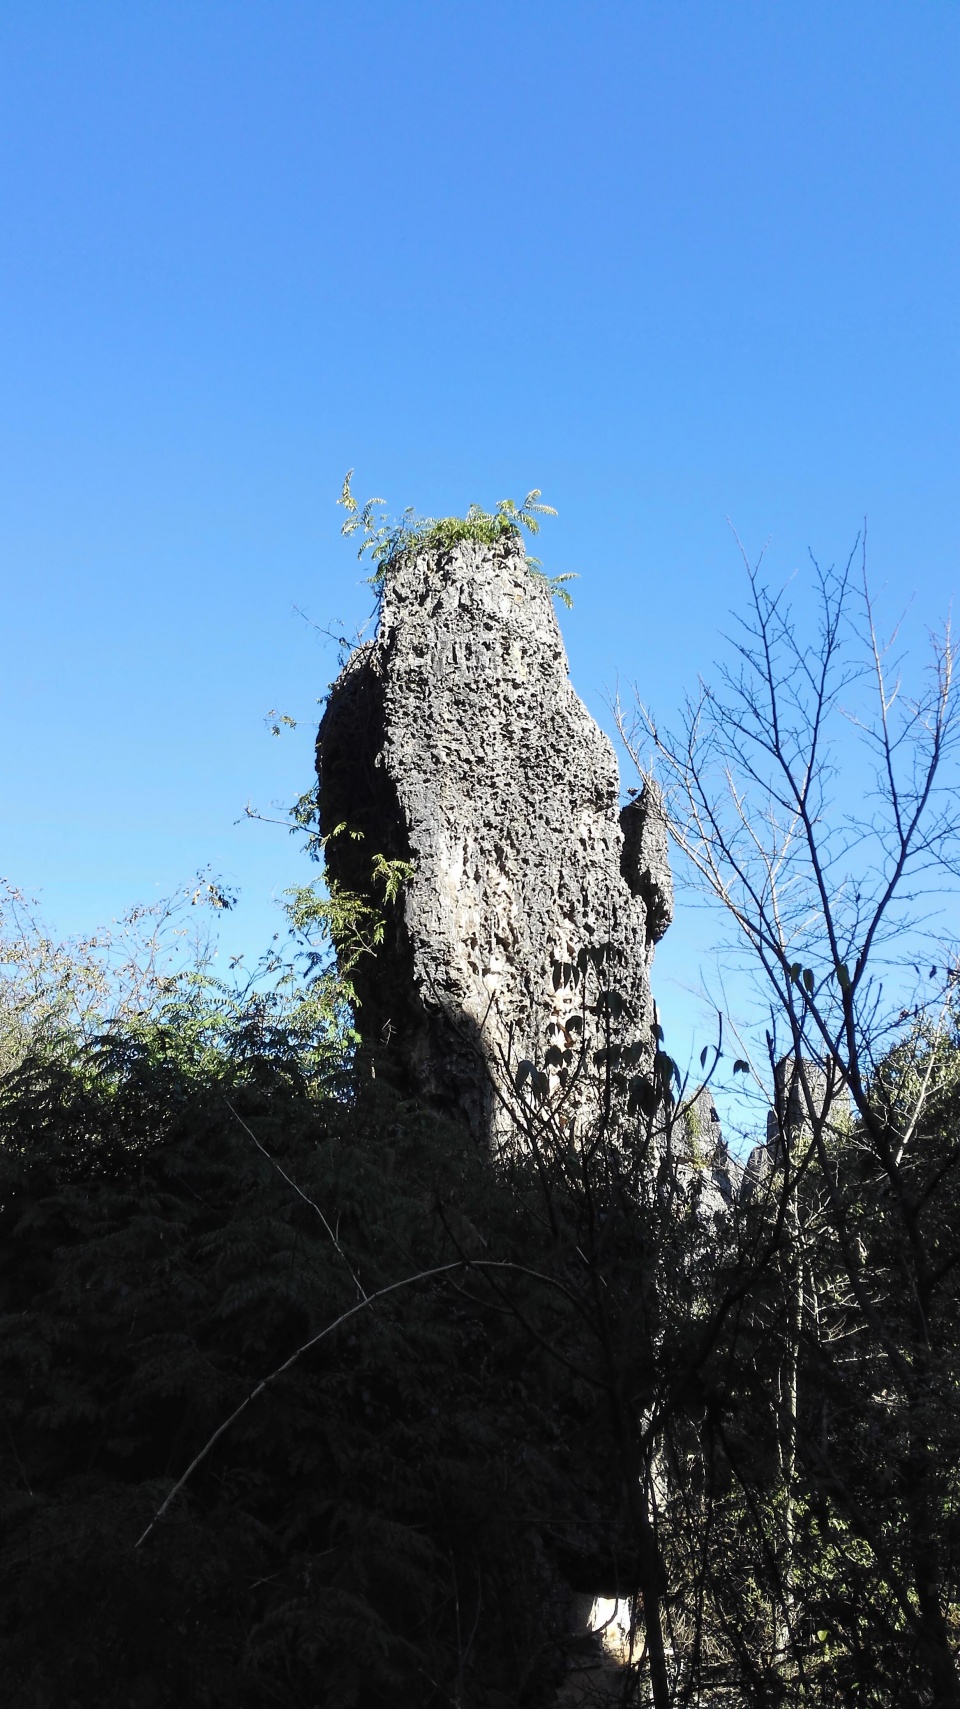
(455, 740)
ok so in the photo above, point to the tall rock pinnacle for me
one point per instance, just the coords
(455, 740)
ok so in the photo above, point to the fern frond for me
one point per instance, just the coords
(346, 497)
(554, 584)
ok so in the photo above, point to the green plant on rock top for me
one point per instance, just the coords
(387, 540)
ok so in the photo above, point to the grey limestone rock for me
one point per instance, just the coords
(645, 860)
(802, 1089)
(702, 1156)
(456, 741)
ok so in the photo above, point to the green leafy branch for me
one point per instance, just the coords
(349, 920)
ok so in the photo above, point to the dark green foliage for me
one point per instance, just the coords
(371, 1529)
(816, 1490)
(403, 1515)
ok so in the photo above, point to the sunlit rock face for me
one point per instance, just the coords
(703, 1156)
(805, 1095)
(456, 741)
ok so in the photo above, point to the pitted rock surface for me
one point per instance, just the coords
(456, 740)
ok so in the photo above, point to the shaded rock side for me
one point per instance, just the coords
(455, 740)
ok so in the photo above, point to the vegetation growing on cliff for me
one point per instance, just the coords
(387, 541)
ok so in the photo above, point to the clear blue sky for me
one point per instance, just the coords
(669, 261)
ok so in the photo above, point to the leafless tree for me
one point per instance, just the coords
(816, 801)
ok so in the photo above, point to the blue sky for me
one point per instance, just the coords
(671, 262)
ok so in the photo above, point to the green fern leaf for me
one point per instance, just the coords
(346, 497)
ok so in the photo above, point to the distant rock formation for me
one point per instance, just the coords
(704, 1150)
(455, 740)
(802, 1088)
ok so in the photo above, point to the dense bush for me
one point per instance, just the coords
(371, 1530)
